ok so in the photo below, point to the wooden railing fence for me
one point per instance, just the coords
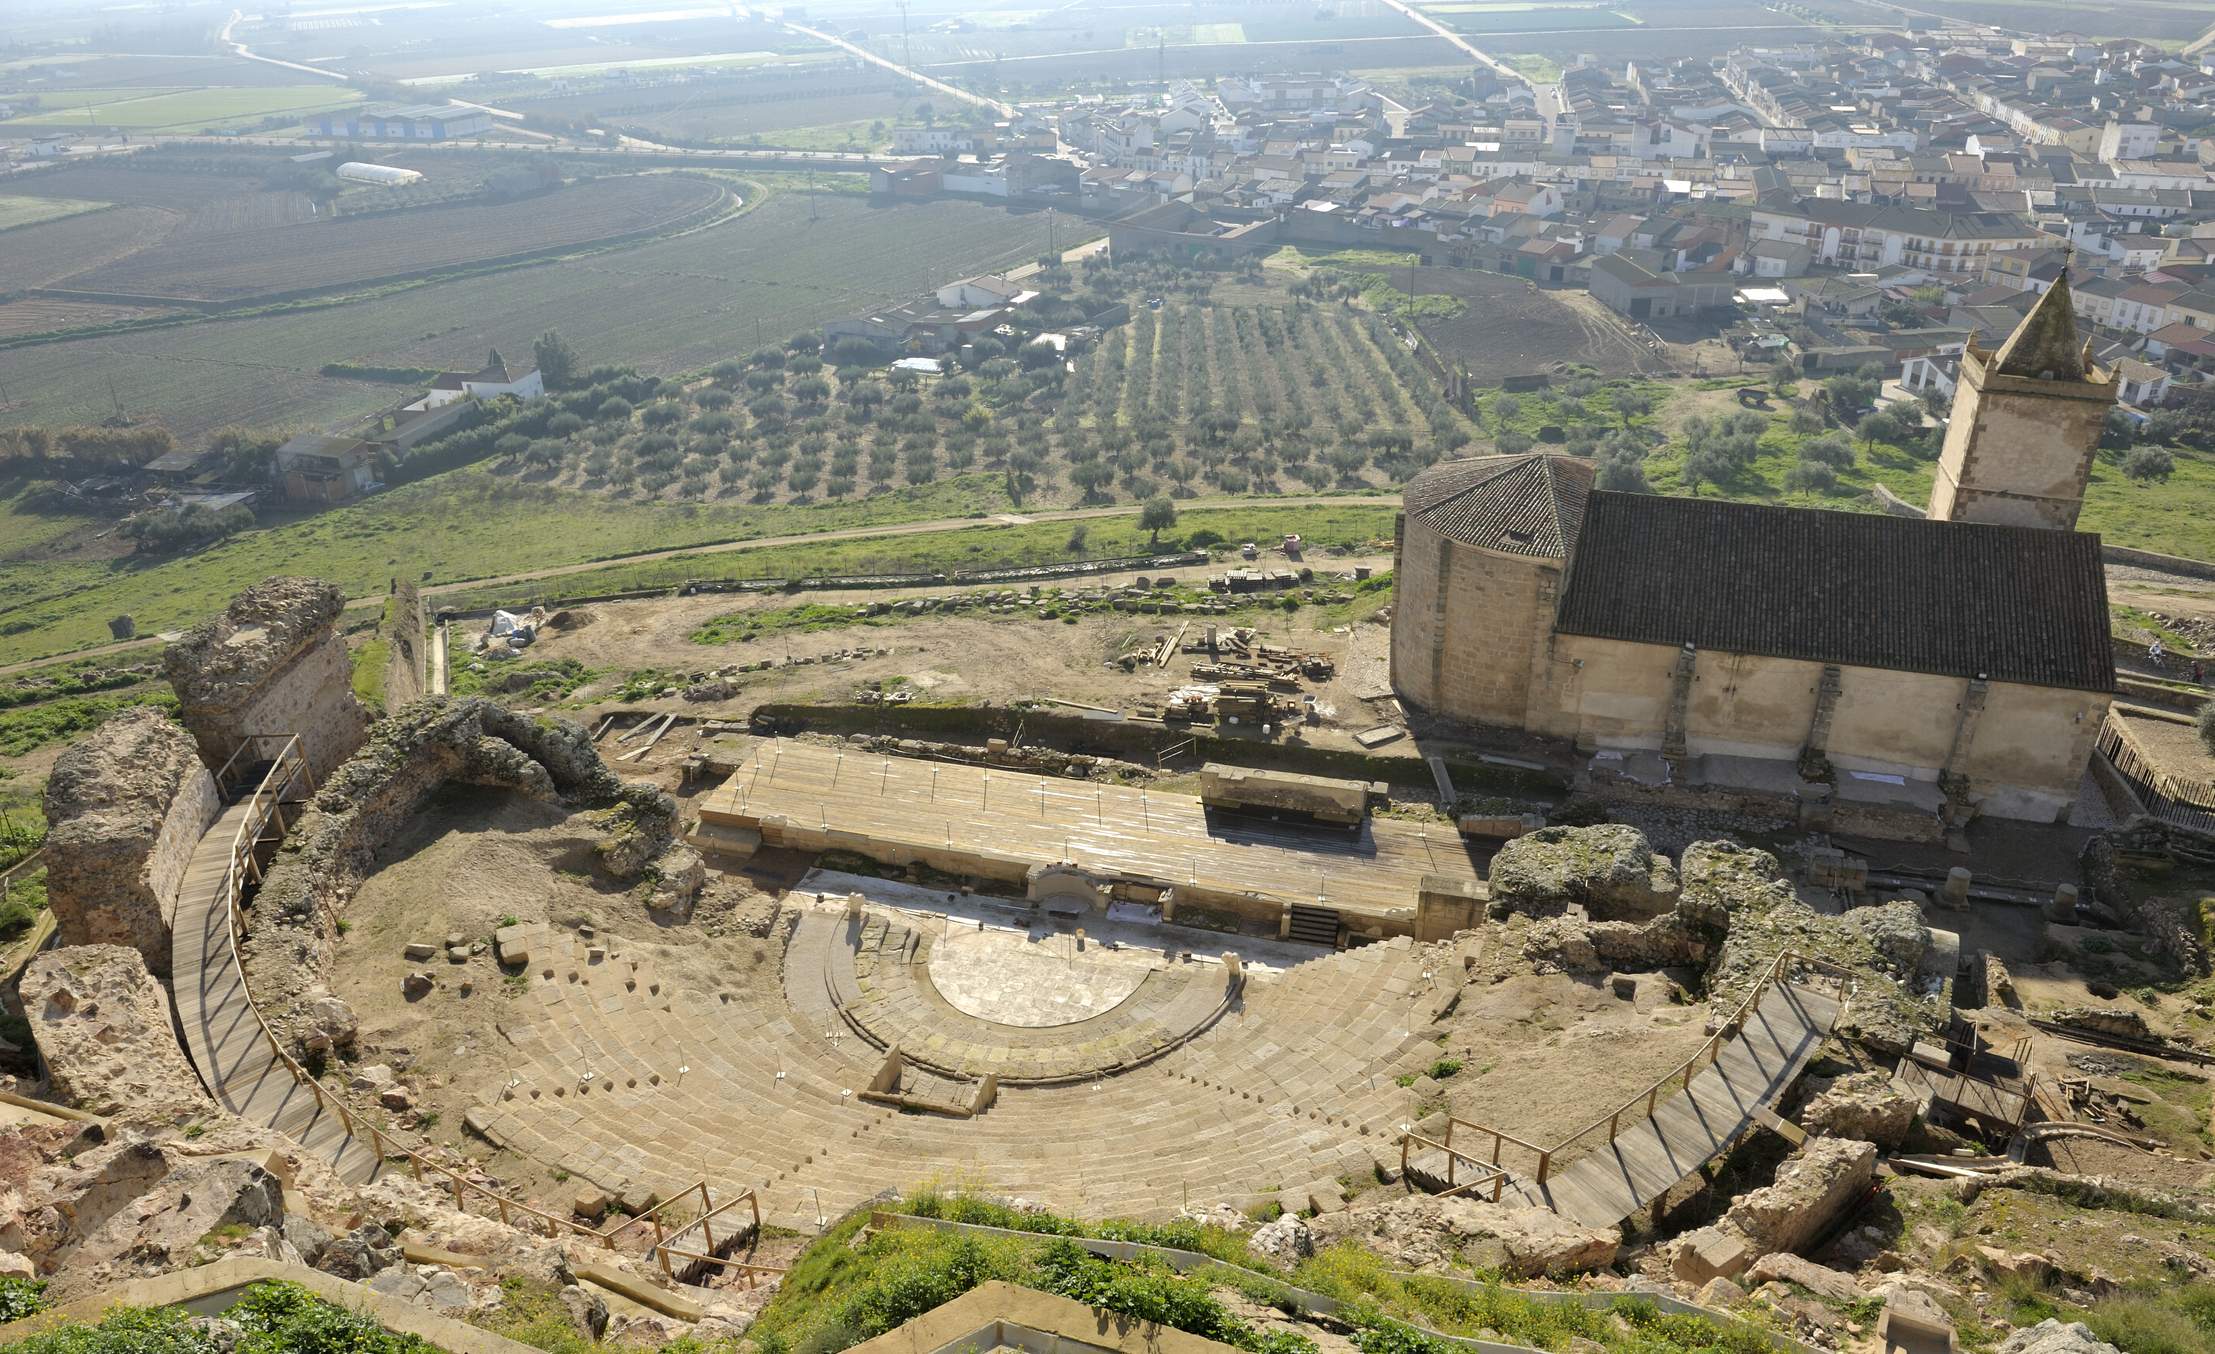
(286, 768)
(1642, 1105)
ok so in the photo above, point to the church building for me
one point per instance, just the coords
(1915, 669)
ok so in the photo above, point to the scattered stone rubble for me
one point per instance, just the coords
(1743, 893)
(1431, 1234)
(1610, 871)
(2056, 1337)
(1864, 1105)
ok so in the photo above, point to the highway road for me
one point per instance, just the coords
(1506, 71)
(997, 108)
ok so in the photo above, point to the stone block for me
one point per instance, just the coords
(417, 951)
(1955, 891)
(2062, 907)
(1710, 1253)
(513, 944)
(1821, 1280)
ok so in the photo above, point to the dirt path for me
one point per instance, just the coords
(900, 529)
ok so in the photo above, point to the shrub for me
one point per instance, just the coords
(2149, 465)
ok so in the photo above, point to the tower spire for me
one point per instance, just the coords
(2045, 344)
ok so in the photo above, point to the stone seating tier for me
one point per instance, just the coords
(1290, 1091)
(899, 1006)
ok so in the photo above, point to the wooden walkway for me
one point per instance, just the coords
(221, 1032)
(1650, 1156)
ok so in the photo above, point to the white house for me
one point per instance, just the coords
(977, 293)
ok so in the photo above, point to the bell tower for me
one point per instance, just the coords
(2026, 422)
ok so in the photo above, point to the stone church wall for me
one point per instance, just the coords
(2031, 749)
(1469, 620)
(2026, 755)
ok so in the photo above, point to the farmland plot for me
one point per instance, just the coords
(37, 316)
(1509, 327)
(153, 109)
(313, 256)
(200, 204)
(1231, 387)
(16, 212)
(47, 254)
(666, 306)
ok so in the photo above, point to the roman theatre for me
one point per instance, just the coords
(459, 942)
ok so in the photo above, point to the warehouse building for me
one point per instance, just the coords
(404, 122)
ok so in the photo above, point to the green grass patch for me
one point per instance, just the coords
(1356, 525)
(30, 211)
(542, 682)
(28, 728)
(459, 525)
(369, 671)
(274, 1318)
(26, 898)
(848, 1287)
(155, 109)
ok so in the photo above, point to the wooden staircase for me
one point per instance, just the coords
(230, 1046)
(1651, 1143)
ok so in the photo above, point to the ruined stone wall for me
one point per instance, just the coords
(291, 928)
(272, 663)
(406, 662)
(125, 806)
(101, 1023)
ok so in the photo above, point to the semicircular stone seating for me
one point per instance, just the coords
(622, 1080)
(896, 1003)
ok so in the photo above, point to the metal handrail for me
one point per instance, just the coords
(383, 1144)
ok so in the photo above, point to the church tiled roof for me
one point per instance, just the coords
(2013, 604)
(1518, 505)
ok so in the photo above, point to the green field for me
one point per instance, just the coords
(1355, 524)
(2173, 518)
(670, 305)
(460, 525)
(29, 211)
(137, 109)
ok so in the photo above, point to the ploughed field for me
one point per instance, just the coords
(206, 264)
(1511, 327)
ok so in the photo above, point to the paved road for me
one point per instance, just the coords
(997, 108)
(240, 49)
(1506, 71)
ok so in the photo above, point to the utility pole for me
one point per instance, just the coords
(907, 56)
(1161, 59)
